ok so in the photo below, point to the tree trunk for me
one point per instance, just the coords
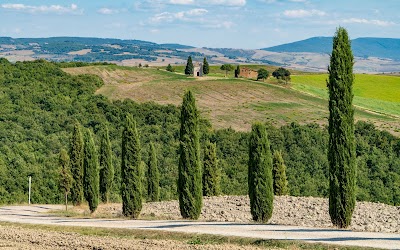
(66, 201)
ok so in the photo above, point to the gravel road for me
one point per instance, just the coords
(37, 215)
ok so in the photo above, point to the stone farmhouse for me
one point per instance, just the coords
(248, 73)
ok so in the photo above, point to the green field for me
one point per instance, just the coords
(377, 93)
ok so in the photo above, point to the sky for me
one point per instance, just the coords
(246, 24)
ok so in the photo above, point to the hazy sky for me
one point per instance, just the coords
(202, 23)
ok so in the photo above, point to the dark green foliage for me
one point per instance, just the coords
(261, 191)
(170, 68)
(279, 174)
(189, 180)
(206, 67)
(282, 74)
(262, 74)
(237, 71)
(65, 175)
(76, 161)
(341, 147)
(91, 171)
(211, 171)
(153, 176)
(40, 104)
(189, 69)
(106, 166)
(131, 173)
(227, 67)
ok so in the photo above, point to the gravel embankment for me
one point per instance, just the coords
(288, 210)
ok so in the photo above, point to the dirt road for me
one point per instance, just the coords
(36, 214)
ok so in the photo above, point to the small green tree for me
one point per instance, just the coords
(131, 172)
(262, 74)
(189, 69)
(106, 166)
(153, 176)
(341, 147)
(211, 172)
(206, 67)
(76, 161)
(189, 169)
(227, 67)
(261, 191)
(65, 175)
(279, 174)
(170, 68)
(237, 71)
(91, 172)
(282, 74)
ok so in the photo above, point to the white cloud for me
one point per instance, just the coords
(59, 9)
(182, 15)
(367, 21)
(210, 2)
(303, 13)
(107, 11)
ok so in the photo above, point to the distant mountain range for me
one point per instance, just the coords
(362, 47)
(372, 54)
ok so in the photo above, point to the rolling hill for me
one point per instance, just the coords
(372, 54)
(236, 103)
(362, 47)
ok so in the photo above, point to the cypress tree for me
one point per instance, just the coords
(153, 177)
(237, 71)
(76, 161)
(91, 172)
(260, 174)
(279, 174)
(131, 173)
(189, 66)
(206, 67)
(65, 175)
(189, 179)
(341, 148)
(211, 172)
(106, 166)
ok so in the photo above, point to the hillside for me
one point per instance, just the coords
(372, 54)
(40, 103)
(236, 103)
(362, 47)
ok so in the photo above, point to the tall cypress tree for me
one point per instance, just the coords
(65, 175)
(76, 161)
(189, 66)
(261, 191)
(189, 179)
(106, 166)
(237, 71)
(153, 176)
(211, 172)
(131, 173)
(206, 67)
(341, 149)
(279, 174)
(91, 172)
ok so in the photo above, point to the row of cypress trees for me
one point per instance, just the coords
(90, 175)
(191, 185)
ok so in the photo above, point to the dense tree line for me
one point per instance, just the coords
(40, 104)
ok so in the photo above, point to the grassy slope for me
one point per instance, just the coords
(375, 92)
(227, 102)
